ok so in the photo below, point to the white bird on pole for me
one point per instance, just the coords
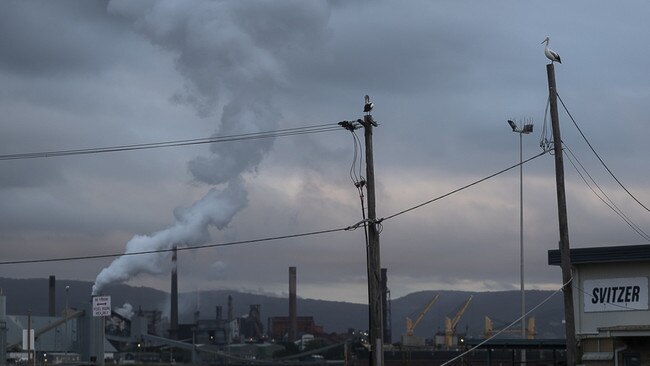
(368, 104)
(550, 54)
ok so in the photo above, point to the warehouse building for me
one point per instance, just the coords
(610, 294)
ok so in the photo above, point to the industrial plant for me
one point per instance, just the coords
(95, 335)
(98, 334)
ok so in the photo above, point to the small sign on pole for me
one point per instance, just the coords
(101, 306)
(28, 339)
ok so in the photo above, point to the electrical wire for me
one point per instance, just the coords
(545, 142)
(363, 222)
(359, 182)
(174, 143)
(571, 156)
(357, 177)
(196, 247)
(462, 188)
(598, 156)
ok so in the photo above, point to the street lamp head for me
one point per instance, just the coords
(528, 128)
(512, 125)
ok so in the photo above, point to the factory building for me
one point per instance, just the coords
(610, 292)
(83, 336)
(279, 326)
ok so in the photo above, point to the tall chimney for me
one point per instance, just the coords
(230, 317)
(3, 329)
(52, 296)
(385, 306)
(293, 320)
(173, 313)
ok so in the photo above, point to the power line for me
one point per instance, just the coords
(463, 187)
(174, 143)
(607, 202)
(197, 247)
(357, 179)
(363, 223)
(598, 156)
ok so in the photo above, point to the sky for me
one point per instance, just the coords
(444, 78)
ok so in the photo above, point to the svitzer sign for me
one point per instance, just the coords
(616, 294)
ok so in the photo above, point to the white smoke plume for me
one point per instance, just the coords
(216, 209)
(232, 54)
(126, 310)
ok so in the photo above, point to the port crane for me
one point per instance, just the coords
(408, 339)
(530, 328)
(450, 324)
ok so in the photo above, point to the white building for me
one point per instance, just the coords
(610, 295)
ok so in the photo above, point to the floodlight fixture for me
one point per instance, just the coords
(528, 128)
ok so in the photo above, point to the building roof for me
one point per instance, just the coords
(628, 253)
(517, 343)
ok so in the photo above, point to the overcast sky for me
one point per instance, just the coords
(444, 78)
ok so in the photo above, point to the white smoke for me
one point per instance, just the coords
(216, 209)
(126, 310)
(232, 54)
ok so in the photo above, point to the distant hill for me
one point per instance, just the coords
(502, 307)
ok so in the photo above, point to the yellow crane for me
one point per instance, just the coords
(450, 324)
(530, 328)
(408, 339)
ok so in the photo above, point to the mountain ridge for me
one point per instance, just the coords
(335, 316)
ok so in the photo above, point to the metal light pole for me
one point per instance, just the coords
(526, 129)
(65, 315)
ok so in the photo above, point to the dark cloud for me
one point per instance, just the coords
(41, 38)
(444, 78)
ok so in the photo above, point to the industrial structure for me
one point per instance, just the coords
(449, 339)
(489, 330)
(450, 324)
(408, 338)
(82, 336)
(293, 327)
(145, 336)
(386, 307)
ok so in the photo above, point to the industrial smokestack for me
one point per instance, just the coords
(173, 313)
(293, 318)
(230, 318)
(385, 306)
(3, 329)
(52, 297)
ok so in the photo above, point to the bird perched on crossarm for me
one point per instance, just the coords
(550, 54)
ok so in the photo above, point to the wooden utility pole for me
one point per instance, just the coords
(376, 337)
(565, 258)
